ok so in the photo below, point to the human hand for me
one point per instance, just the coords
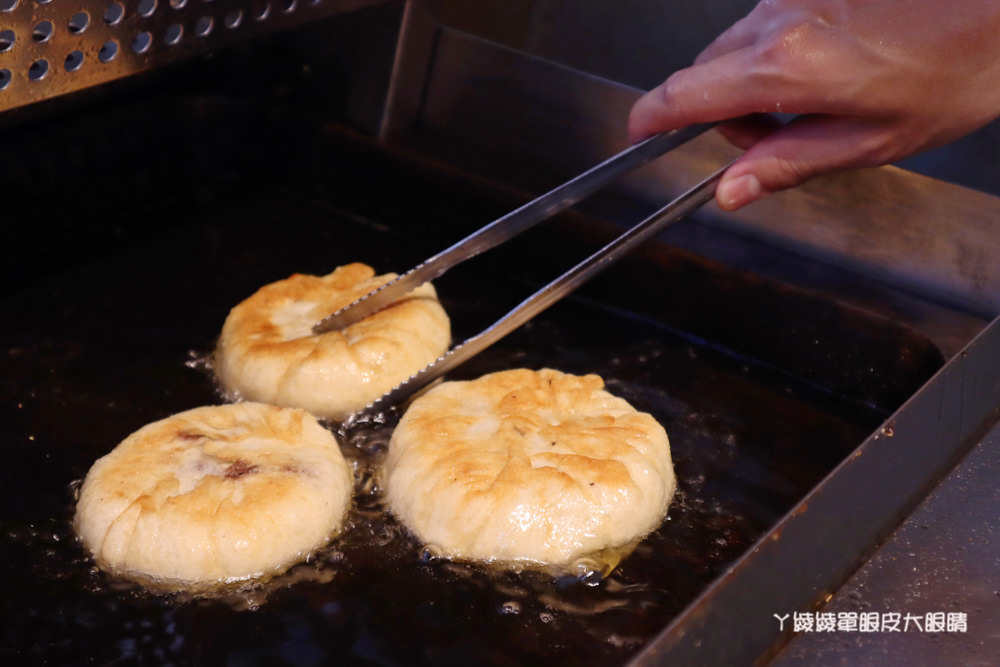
(869, 82)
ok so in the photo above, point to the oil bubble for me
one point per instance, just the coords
(510, 608)
(431, 554)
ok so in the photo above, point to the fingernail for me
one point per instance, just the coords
(739, 192)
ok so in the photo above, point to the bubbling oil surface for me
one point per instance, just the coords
(380, 593)
(376, 594)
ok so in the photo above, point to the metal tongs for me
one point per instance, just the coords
(509, 226)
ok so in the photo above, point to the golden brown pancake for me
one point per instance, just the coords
(530, 467)
(268, 353)
(215, 495)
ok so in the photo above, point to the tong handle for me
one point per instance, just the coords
(510, 225)
(680, 207)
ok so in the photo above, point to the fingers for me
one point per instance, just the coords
(778, 156)
(782, 59)
(730, 86)
(691, 92)
(746, 131)
(696, 94)
(791, 63)
(869, 83)
(793, 154)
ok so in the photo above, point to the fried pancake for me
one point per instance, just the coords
(268, 353)
(215, 495)
(531, 467)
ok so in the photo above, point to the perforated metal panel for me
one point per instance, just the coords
(52, 47)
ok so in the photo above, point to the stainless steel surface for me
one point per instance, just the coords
(906, 247)
(638, 43)
(710, 357)
(944, 560)
(50, 48)
(910, 247)
(806, 557)
(548, 295)
(413, 55)
(512, 224)
(514, 117)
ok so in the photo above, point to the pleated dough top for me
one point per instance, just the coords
(267, 351)
(215, 495)
(537, 467)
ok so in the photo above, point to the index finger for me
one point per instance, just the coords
(733, 85)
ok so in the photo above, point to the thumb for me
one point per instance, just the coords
(803, 149)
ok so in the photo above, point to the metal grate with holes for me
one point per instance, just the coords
(52, 47)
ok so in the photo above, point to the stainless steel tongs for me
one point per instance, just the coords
(509, 226)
